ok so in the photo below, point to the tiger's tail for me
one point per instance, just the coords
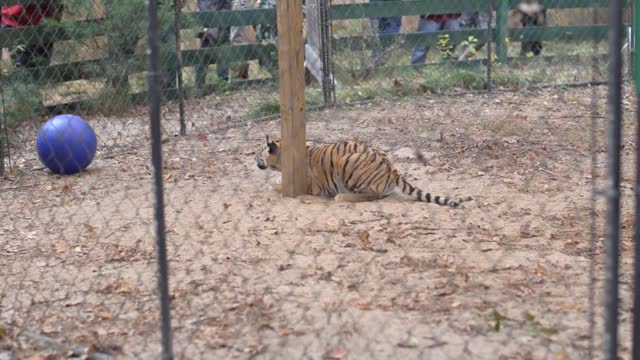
(420, 195)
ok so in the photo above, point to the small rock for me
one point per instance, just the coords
(6, 355)
(405, 153)
(173, 164)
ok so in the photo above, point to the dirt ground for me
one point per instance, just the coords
(255, 275)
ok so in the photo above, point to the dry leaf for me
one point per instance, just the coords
(561, 356)
(337, 353)
(226, 206)
(168, 176)
(61, 248)
(122, 287)
(364, 237)
(100, 332)
(103, 315)
(36, 357)
(65, 188)
(362, 306)
(540, 270)
(575, 307)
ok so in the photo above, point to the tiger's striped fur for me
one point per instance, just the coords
(350, 167)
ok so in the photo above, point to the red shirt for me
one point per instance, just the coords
(19, 15)
(441, 18)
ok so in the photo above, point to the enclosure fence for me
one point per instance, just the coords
(174, 242)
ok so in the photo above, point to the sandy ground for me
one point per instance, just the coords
(254, 275)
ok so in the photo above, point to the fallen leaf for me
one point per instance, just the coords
(65, 188)
(575, 307)
(168, 176)
(362, 306)
(202, 136)
(446, 292)
(497, 318)
(337, 353)
(561, 356)
(36, 357)
(548, 331)
(122, 287)
(540, 270)
(61, 248)
(104, 315)
(226, 206)
(408, 344)
(283, 267)
(364, 237)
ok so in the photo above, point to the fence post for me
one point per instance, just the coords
(612, 190)
(636, 235)
(2, 145)
(502, 16)
(635, 63)
(177, 4)
(291, 64)
(489, 47)
(153, 83)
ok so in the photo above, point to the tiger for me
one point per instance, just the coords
(349, 171)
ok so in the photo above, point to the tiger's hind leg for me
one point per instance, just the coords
(357, 197)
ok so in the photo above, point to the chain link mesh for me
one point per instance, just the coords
(514, 274)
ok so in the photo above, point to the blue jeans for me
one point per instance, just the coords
(384, 25)
(419, 54)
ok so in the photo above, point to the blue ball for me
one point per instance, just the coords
(66, 144)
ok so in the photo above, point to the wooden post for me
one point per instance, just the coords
(292, 122)
(502, 16)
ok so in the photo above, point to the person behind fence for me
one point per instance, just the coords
(242, 35)
(473, 20)
(383, 25)
(216, 36)
(39, 51)
(264, 32)
(433, 23)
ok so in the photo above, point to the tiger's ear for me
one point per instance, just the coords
(271, 144)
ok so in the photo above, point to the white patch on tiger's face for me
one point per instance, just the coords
(269, 158)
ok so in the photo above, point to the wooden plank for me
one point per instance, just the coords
(409, 40)
(228, 53)
(419, 7)
(91, 69)
(21, 2)
(292, 122)
(10, 37)
(225, 18)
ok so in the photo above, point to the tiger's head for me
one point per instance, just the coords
(269, 157)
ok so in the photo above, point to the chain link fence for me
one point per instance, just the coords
(516, 273)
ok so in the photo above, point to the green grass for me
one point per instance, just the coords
(272, 106)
